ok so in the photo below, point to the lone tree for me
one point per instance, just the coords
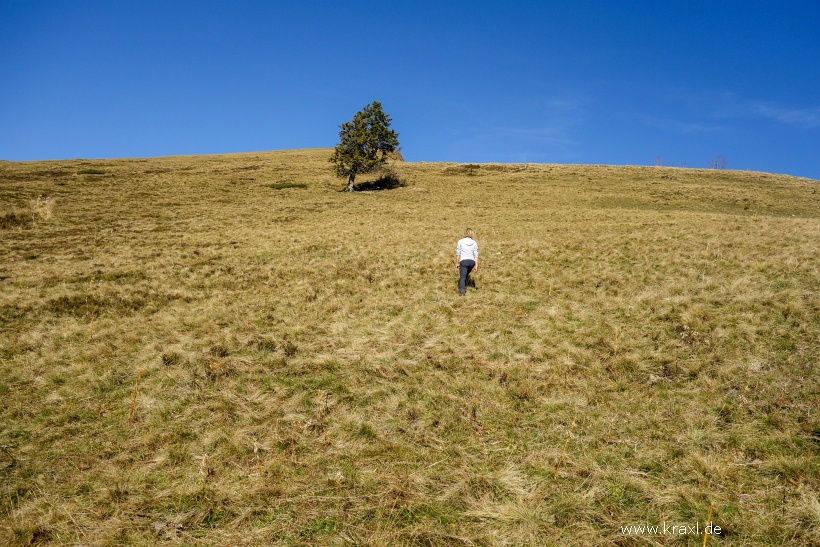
(718, 162)
(364, 143)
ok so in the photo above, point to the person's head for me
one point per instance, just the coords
(468, 232)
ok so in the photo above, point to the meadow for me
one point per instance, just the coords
(227, 350)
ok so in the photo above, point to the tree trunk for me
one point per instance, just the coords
(350, 180)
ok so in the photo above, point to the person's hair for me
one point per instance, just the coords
(468, 232)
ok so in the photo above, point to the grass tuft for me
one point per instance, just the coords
(16, 219)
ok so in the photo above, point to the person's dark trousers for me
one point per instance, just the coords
(465, 267)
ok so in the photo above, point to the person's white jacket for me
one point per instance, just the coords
(467, 249)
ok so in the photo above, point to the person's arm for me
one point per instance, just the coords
(475, 269)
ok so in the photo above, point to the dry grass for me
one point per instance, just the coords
(642, 347)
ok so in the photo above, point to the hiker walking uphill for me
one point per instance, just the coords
(466, 259)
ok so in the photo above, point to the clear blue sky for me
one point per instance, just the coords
(600, 82)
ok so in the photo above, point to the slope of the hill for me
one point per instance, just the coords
(227, 350)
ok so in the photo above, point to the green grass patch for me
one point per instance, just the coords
(284, 185)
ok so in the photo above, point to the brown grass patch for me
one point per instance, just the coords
(640, 346)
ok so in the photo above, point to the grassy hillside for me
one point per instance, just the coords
(227, 350)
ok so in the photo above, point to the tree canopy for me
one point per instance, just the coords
(364, 143)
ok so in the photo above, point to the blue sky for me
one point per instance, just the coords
(594, 82)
